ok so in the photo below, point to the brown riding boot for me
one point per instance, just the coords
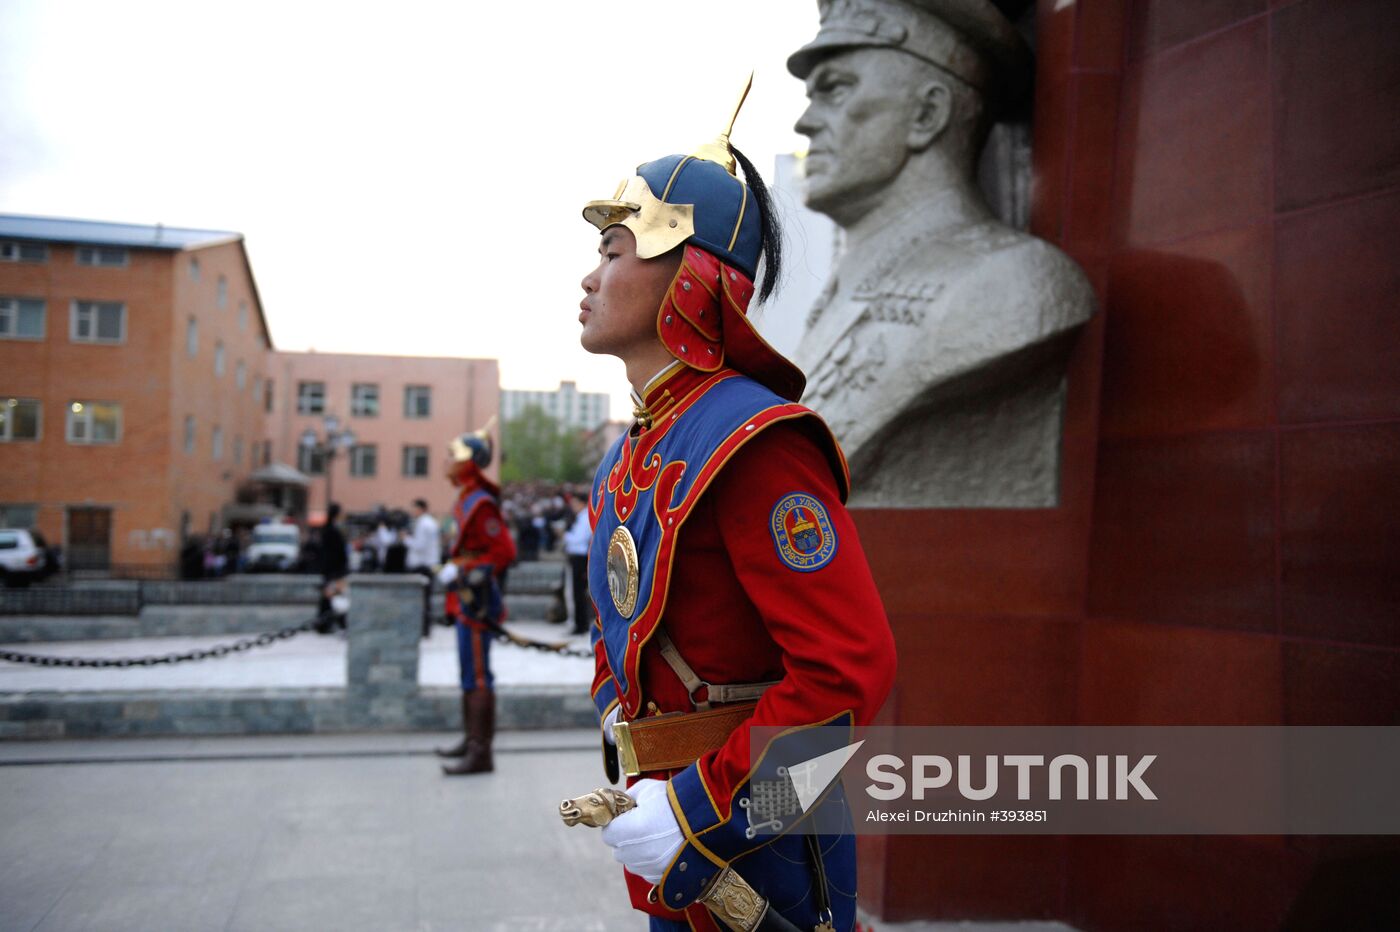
(481, 727)
(460, 748)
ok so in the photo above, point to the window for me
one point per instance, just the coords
(267, 396)
(97, 322)
(311, 461)
(267, 452)
(417, 401)
(22, 318)
(364, 459)
(257, 387)
(192, 337)
(237, 451)
(189, 433)
(221, 296)
(311, 398)
(415, 461)
(24, 252)
(194, 269)
(107, 256)
(94, 422)
(219, 358)
(364, 399)
(20, 516)
(242, 315)
(20, 419)
(240, 374)
(216, 443)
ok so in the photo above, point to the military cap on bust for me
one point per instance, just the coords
(970, 39)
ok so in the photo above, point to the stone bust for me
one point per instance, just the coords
(937, 350)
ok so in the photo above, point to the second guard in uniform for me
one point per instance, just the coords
(730, 583)
(473, 577)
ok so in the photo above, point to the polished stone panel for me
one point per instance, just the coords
(1195, 148)
(1184, 531)
(1336, 83)
(1190, 336)
(1134, 673)
(1338, 273)
(1340, 544)
(1161, 24)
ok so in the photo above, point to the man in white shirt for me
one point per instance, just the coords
(424, 553)
(576, 541)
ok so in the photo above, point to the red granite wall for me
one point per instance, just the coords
(1228, 174)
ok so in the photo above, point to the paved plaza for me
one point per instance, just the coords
(333, 832)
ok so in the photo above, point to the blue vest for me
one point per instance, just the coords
(650, 483)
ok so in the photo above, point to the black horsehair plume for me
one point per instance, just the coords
(772, 231)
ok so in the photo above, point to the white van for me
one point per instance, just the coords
(275, 547)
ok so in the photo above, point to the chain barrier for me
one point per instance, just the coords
(204, 653)
(561, 649)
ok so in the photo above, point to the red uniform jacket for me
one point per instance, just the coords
(742, 609)
(482, 537)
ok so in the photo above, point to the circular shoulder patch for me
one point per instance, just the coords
(802, 532)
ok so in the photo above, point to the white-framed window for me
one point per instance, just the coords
(417, 401)
(192, 337)
(364, 459)
(20, 419)
(242, 315)
(216, 443)
(219, 358)
(22, 319)
(364, 399)
(189, 433)
(23, 252)
(415, 461)
(240, 375)
(221, 294)
(194, 269)
(311, 461)
(105, 256)
(238, 450)
(94, 422)
(311, 398)
(97, 322)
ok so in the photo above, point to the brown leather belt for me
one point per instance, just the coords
(676, 739)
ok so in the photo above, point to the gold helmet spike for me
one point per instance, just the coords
(718, 150)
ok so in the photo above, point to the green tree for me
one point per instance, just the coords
(536, 446)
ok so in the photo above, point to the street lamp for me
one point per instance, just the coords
(327, 446)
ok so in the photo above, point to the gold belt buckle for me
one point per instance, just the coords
(626, 753)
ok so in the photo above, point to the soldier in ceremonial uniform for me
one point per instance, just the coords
(472, 576)
(731, 587)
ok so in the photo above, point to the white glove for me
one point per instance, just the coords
(608, 723)
(645, 839)
(448, 574)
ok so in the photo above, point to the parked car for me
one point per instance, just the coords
(24, 557)
(274, 549)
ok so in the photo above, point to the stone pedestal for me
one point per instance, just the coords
(385, 623)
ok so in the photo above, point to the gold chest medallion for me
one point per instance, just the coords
(623, 575)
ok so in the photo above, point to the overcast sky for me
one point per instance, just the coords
(409, 181)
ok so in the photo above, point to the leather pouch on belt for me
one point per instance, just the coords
(676, 739)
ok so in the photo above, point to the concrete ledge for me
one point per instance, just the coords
(273, 711)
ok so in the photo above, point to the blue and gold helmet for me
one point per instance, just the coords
(726, 226)
(686, 199)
